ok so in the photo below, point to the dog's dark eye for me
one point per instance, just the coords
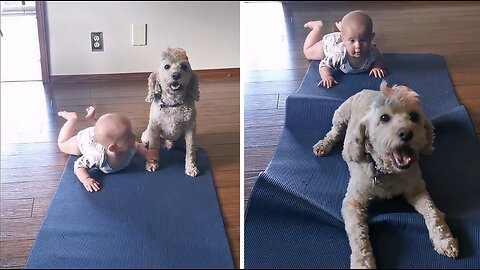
(414, 117)
(167, 67)
(385, 118)
(184, 66)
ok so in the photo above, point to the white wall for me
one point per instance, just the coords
(208, 31)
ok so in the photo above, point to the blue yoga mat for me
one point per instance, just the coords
(138, 219)
(293, 219)
(427, 74)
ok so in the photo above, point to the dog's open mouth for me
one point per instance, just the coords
(175, 86)
(402, 157)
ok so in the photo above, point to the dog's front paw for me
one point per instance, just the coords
(151, 167)
(447, 247)
(321, 149)
(363, 262)
(168, 144)
(145, 139)
(191, 171)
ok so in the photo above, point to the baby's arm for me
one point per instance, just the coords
(377, 66)
(326, 67)
(150, 155)
(377, 69)
(327, 77)
(81, 171)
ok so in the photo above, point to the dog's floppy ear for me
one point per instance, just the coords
(153, 87)
(386, 91)
(192, 88)
(430, 136)
(360, 143)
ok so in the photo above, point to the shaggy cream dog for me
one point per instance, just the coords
(172, 90)
(384, 134)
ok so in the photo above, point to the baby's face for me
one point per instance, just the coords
(127, 142)
(357, 40)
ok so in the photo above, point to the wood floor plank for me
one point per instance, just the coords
(279, 87)
(16, 208)
(11, 248)
(263, 118)
(53, 159)
(257, 158)
(261, 102)
(225, 179)
(263, 136)
(14, 253)
(234, 238)
(229, 196)
(31, 173)
(40, 206)
(43, 188)
(20, 228)
(225, 163)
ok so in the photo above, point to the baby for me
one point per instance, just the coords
(108, 146)
(351, 50)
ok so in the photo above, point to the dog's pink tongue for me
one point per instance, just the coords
(402, 157)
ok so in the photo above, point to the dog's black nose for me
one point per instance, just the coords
(176, 76)
(405, 134)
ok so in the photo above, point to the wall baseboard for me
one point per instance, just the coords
(141, 76)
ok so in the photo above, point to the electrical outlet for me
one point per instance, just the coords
(96, 39)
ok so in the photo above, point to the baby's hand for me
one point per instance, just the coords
(377, 72)
(91, 185)
(151, 155)
(327, 82)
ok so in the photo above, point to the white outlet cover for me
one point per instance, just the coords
(139, 34)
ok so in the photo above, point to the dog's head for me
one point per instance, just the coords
(396, 130)
(175, 77)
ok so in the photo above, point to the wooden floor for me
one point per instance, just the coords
(31, 163)
(273, 62)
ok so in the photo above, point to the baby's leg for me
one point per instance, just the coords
(313, 46)
(67, 140)
(91, 116)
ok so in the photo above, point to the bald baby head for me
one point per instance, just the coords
(358, 21)
(113, 129)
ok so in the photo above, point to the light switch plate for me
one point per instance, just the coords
(139, 34)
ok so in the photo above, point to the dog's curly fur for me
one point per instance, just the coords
(172, 91)
(384, 134)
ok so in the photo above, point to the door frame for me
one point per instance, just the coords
(42, 39)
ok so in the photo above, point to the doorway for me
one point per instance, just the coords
(20, 50)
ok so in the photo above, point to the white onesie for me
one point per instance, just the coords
(95, 155)
(336, 55)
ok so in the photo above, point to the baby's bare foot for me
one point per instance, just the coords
(314, 25)
(68, 115)
(91, 114)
